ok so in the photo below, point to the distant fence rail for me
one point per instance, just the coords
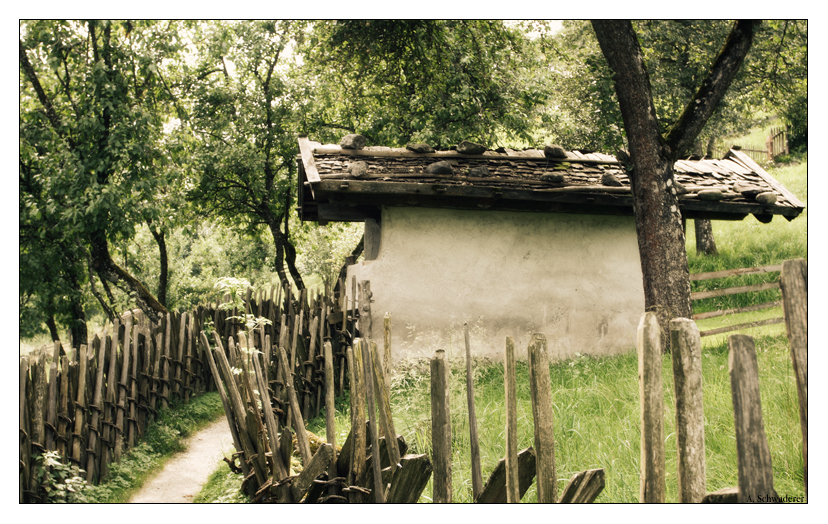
(701, 295)
(775, 145)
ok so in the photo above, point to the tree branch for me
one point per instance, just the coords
(681, 137)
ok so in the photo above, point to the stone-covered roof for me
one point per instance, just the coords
(341, 184)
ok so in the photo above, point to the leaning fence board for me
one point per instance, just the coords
(440, 429)
(51, 411)
(474, 445)
(299, 425)
(384, 405)
(510, 383)
(753, 453)
(542, 414)
(63, 409)
(409, 480)
(96, 408)
(494, 492)
(38, 408)
(653, 478)
(794, 284)
(320, 463)
(584, 487)
(379, 486)
(25, 443)
(330, 421)
(699, 295)
(734, 272)
(685, 346)
(357, 468)
(737, 327)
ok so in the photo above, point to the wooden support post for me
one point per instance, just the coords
(308, 382)
(794, 285)
(25, 441)
(386, 330)
(51, 411)
(379, 487)
(541, 391)
(753, 453)
(108, 433)
(477, 474)
(357, 463)
(510, 382)
(80, 407)
(123, 386)
(330, 419)
(386, 420)
(685, 346)
(440, 429)
(133, 388)
(97, 408)
(653, 477)
(38, 436)
(63, 408)
(165, 375)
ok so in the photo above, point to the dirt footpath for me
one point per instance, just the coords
(183, 476)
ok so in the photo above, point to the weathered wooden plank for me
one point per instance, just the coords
(386, 326)
(165, 390)
(298, 423)
(378, 486)
(38, 435)
(409, 480)
(737, 327)
(357, 468)
(699, 295)
(309, 385)
(753, 453)
(246, 429)
(494, 491)
(685, 346)
(306, 151)
(320, 463)
(488, 155)
(384, 405)
(794, 285)
(543, 416)
(51, 411)
(746, 309)
(330, 412)
(510, 383)
(440, 429)
(25, 441)
(474, 445)
(108, 433)
(97, 408)
(653, 477)
(132, 420)
(584, 487)
(280, 469)
(734, 272)
(122, 387)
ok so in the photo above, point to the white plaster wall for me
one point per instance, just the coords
(574, 278)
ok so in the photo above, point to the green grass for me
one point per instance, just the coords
(162, 440)
(223, 486)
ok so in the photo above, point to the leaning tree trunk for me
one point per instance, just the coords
(657, 218)
(162, 250)
(705, 243)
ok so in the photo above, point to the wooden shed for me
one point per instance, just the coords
(511, 242)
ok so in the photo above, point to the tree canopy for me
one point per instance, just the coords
(150, 149)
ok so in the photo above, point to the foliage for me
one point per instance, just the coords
(222, 487)
(322, 249)
(436, 81)
(57, 481)
(677, 53)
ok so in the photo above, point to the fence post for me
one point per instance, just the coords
(510, 381)
(753, 453)
(542, 414)
(440, 429)
(794, 285)
(477, 475)
(653, 484)
(685, 346)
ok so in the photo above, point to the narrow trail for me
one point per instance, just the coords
(182, 477)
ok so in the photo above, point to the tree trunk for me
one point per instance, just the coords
(103, 264)
(657, 217)
(162, 250)
(77, 325)
(661, 241)
(50, 323)
(290, 250)
(705, 243)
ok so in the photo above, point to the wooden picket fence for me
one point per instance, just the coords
(701, 295)
(92, 404)
(755, 472)
(775, 145)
